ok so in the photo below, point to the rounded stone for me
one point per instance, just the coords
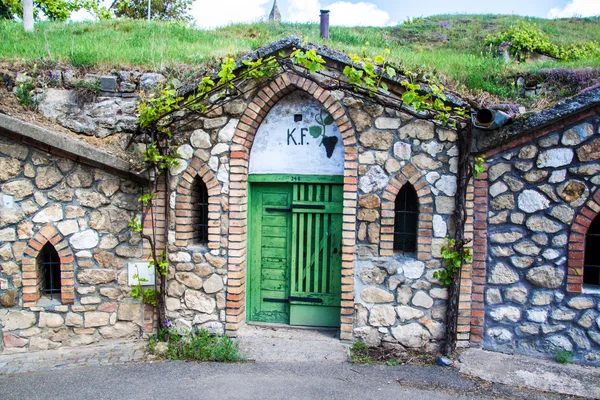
(200, 139)
(412, 335)
(509, 313)
(502, 275)
(539, 223)
(369, 201)
(87, 239)
(406, 313)
(213, 284)
(377, 140)
(581, 303)
(554, 158)
(50, 320)
(376, 295)
(577, 134)
(372, 275)
(382, 315)
(546, 276)
(531, 201)
(199, 301)
(402, 151)
(374, 180)
(422, 299)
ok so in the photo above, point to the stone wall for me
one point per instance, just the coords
(397, 298)
(84, 212)
(540, 193)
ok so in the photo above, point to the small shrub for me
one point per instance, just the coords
(564, 357)
(195, 345)
(527, 38)
(86, 90)
(24, 93)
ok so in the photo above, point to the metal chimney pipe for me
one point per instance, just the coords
(325, 24)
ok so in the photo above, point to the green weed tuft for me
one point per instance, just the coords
(195, 345)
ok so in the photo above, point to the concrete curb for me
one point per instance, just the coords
(532, 373)
(58, 144)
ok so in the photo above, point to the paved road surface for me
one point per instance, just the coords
(170, 380)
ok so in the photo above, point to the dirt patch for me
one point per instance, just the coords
(389, 355)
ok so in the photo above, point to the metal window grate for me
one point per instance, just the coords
(200, 212)
(591, 268)
(49, 265)
(406, 215)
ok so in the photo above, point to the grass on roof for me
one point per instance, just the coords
(449, 46)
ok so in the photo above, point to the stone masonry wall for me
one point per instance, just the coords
(397, 298)
(84, 212)
(540, 193)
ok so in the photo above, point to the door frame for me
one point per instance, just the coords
(276, 179)
(257, 108)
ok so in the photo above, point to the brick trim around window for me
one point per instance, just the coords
(255, 112)
(31, 274)
(183, 204)
(408, 174)
(576, 249)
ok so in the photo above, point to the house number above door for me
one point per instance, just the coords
(299, 137)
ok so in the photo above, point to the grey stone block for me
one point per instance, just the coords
(108, 84)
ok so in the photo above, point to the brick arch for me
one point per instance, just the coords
(408, 174)
(32, 278)
(576, 250)
(243, 138)
(183, 204)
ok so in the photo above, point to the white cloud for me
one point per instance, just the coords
(359, 14)
(212, 13)
(576, 8)
(342, 13)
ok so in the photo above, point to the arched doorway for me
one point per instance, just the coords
(296, 193)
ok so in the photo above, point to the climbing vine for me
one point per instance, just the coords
(160, 117)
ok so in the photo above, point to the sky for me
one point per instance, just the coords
(211, 13)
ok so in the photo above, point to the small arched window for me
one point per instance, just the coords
(406, 216)
(591, 267)
(49, 264)
(199, 212)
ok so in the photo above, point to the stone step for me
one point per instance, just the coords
(281, 343)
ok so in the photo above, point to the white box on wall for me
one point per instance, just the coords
(143, 271)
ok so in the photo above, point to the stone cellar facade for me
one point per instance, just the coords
(298, 205)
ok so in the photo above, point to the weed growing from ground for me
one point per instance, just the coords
(564, 357)
(195, 345)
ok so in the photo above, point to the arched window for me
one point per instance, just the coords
(199, 212)
(406, 216)
(49, 264)
(591, 267)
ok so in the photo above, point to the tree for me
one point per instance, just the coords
(28, 15)
(175, 10)
(54, 10)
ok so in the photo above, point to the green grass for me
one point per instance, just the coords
(455, 53)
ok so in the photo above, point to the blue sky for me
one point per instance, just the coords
(210, 13)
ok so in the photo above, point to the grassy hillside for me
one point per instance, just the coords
(448, 46)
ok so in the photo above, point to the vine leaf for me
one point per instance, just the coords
(315, 131)
(328, 120)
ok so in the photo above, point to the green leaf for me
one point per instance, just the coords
(328, 120)
(390, 71)
(379, 59)
(315, 131)
(384, 86)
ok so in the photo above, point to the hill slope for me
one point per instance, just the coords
(450, 47)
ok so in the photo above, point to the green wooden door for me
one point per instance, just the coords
(269, 253)
(295, 252)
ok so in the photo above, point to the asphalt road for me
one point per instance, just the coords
(170, 380)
